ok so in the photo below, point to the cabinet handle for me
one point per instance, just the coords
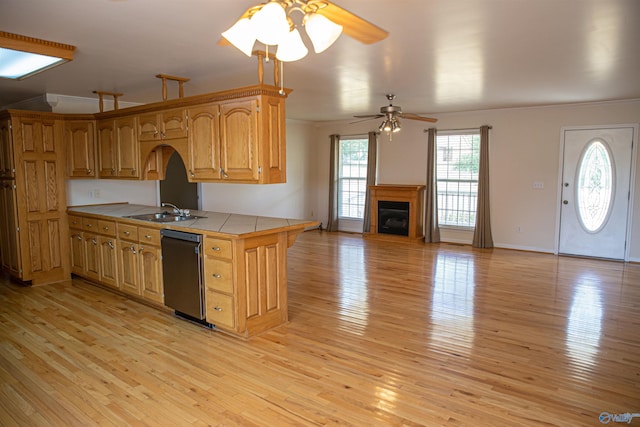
(215, 248)
(88, 171)
(191, 173)
(126, 233)
(94, 242)
(105, 228)
(77, 236)
(140, 249)
(217, 276)
(224, 174)
(162, 135)
(110, 243)
(133, 250)
(88, 225)
(147, 236)
(216, 308)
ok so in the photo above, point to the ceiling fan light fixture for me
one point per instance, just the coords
(388, 126)
(270, 23)
(291, 48)
(395, 126)
(242, 36)
(322, 31)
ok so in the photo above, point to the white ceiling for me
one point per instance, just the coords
(440, 56)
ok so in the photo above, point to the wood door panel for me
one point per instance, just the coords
(55, 251)
(32, 185)
(36, 245)
(252, 282)
(174, 124)
(128, 148)
(204, 149)
(51, 178)
(238, 140)
(272, 278)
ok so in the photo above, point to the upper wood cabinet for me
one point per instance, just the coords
(80, 143)
(204, 143)
(162, 125)
(239, 141)
(118, 148)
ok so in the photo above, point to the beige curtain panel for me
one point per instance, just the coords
(372, 161)
(332, 223)
(482, 234)
(431, 228)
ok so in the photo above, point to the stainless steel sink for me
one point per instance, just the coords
(163, 217)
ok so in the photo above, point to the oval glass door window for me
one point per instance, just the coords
(595, 186)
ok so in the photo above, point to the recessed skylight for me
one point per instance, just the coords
(21, 56)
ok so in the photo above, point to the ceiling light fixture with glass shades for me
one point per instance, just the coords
(272, 24)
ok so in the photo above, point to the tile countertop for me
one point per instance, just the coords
(216, 222)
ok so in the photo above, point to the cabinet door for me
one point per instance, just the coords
(107, 151)
(108, 261)
(238, 141)
(9, 243)
(272, 142)
(128, 148)
(151, 273)
(79, 139)
(148, 127)
(76, 245)
(128, 267)
(173, 124)
(204, 143)
(91, 256)
(41, 199)
(7, 168)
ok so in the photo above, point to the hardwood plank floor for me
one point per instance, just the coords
(380, 333)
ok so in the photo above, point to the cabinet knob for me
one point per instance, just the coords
(215, 248)
(216, 308)
(224, 174)
(105, 228)
(191, 173)
(126, 233)
(113, 171)
(88, 171)
(217, 276)
(147, 236)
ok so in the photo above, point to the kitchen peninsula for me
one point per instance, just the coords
(245, 260)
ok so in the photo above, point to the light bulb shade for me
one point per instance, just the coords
(242, 36)
(291, 48)
(387, 126)
(270, 23)
(322, 32)
(381, 127)
(395, 127)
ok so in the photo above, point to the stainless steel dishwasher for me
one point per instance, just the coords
(182, 274)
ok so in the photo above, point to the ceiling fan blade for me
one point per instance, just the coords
(352, 25)
(369, 116)
(412, 116)
(365, 118)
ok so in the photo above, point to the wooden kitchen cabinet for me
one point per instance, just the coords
(39, 227)
(219, 285)
(163, 125)
(107, 149)
(108, 262)
(239, 141)
(80, 144)
(9, 243)
(204, 143)
(7, 168)
(150, 264)
(118, 148)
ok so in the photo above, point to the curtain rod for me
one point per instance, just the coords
(356, 135)
(458, 130)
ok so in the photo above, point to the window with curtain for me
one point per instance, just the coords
(352, 177)
(458, 163)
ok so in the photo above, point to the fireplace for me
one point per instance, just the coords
(397, 211)
(393, 218)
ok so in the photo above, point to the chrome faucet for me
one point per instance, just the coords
(177, 210)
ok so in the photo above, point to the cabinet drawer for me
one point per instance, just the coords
(90, 224)
(150, 236)
(218, 248)
(219, 309)
(75, 222)
(108, 228)
(127, 232)
(218, 275)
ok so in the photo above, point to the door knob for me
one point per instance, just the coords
(565, 202)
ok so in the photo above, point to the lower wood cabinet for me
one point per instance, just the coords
(140, 262)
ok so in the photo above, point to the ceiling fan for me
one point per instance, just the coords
(391, 113)
(272, 25)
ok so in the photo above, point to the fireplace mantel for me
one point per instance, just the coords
(412, 194)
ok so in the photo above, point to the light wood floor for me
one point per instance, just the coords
(379, 334)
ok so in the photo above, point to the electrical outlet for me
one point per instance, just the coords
(538, 185)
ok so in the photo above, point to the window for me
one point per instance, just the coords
(458, 162)
(352, 178)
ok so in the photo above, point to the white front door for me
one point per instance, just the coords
(595, 191)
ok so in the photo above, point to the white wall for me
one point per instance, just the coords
(524, 147)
